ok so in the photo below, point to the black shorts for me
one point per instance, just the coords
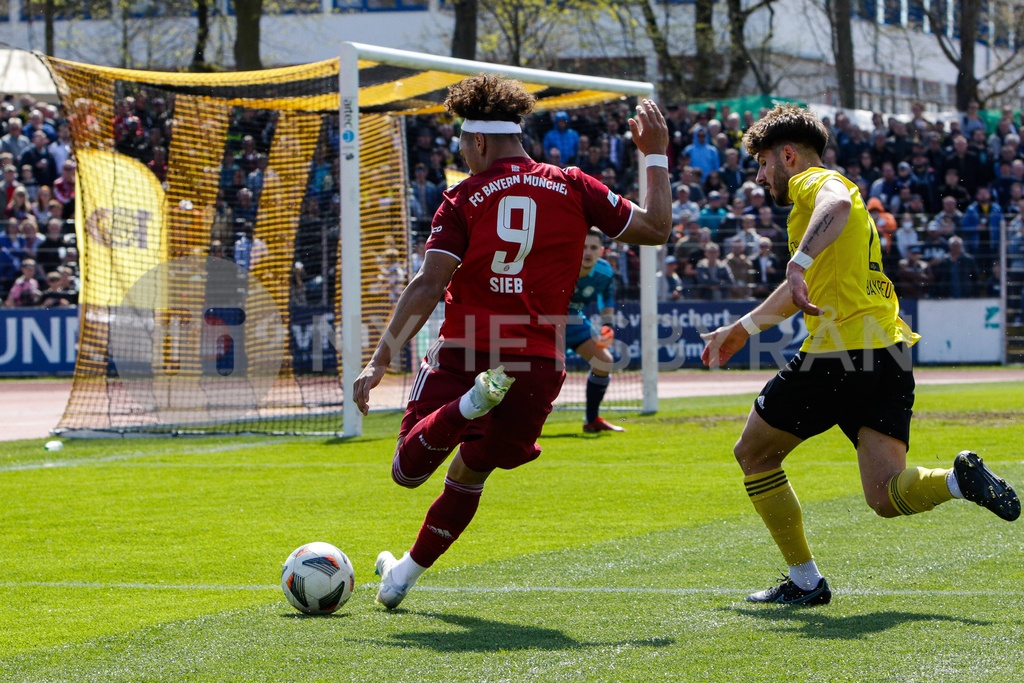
(871, 388)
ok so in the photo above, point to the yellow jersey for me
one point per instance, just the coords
(846, 279)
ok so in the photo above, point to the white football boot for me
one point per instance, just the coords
(488, 391)
(389, 594)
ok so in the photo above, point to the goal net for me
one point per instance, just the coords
(243, 238)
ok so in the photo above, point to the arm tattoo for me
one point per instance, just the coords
(821, 228)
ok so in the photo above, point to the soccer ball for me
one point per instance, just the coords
(317, 578)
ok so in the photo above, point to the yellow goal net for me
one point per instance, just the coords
(207, 225)
(243, 237)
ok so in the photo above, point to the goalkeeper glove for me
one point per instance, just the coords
(605, 337)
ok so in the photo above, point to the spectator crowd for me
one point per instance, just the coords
(944, 194)
(941, 192)
(38, 256)
(38, 168)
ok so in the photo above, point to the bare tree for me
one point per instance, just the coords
(126, 35)
(742, 54)
(702, 76)
(49, 13)
(128, 28)
(673, 78)
(202, 36)
(247, 34)
(517, 28)
(705, 69)
(533, 32)
(464, 35)
(52, 9)
(1005, 76)
(838, 13)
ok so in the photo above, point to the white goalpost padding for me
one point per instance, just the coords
(352, 333)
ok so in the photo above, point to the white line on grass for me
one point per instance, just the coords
(503, 589)
(687, 591)
(128, 456)
(132, 586)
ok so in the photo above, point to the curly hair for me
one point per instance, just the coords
(786, 123)
(487, 97)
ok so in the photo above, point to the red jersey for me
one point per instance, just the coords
(518, 230)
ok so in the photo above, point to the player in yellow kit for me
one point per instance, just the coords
(854, 369)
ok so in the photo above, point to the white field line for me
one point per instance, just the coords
(501, 589)
(683, 591)
(134, 455)
(127, 462)
(125, 458)
(133, 586)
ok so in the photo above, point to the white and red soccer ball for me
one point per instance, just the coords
(317, 578)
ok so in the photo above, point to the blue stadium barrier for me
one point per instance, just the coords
(44, 341)
(680, 325)
(35, 341)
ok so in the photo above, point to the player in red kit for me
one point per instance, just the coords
(504, 249)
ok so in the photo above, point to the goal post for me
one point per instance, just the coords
(580, 89)
(351, 257)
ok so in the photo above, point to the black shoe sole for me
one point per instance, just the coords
(980, 485)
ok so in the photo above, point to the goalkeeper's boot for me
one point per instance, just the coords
(489, 389)
(600, 424)
(980, 485)
(788, 593)
(389, 594)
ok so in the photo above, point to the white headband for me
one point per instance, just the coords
(497, 127)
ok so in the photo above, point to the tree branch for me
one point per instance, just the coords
(945, 44)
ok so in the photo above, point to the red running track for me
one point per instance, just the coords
(31, 408)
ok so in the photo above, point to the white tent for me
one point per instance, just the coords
(21, 73)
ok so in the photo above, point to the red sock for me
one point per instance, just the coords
(446, 519)
(427, 445)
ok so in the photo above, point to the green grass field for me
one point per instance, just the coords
(611, 558)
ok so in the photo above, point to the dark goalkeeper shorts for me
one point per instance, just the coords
(871, 388)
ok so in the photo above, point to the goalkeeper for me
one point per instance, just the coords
(596, 284)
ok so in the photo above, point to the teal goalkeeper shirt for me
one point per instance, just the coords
(597, 286)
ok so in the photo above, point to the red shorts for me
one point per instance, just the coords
(504, 438)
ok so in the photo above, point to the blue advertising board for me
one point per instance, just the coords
(38, 341)
(44, 341)
(312, 340)
(680, 325)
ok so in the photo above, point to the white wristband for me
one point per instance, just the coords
(802, 259)
(659, 160)
(749, 325)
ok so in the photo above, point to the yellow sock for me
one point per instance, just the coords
(776, 502)
(918, 490)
